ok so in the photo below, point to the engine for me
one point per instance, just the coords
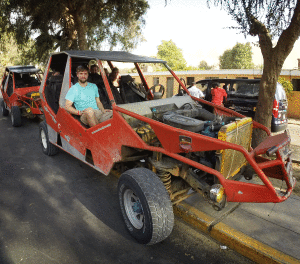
(196, 119)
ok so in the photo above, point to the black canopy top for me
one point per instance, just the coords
(22, 69)
(118, 56)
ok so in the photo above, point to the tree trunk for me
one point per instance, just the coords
(81, 31)
(74, 30)
(266, 96)
(69, 33)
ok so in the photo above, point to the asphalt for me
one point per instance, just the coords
(265, 233)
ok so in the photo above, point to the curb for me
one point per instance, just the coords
(236, 240)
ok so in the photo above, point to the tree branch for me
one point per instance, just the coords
(289, 36)
(259, 29)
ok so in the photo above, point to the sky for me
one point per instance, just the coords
(201, 33)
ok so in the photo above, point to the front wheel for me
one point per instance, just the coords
(5, 112)
(16, 117)
(47, 147)
(146, 206)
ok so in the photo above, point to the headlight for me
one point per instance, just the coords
(217, 193)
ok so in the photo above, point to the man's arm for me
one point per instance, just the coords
(71, 109)
(99, 104)
(201, 94)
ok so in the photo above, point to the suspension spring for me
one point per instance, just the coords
(165, 177)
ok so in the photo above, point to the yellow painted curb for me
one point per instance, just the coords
(236, 240)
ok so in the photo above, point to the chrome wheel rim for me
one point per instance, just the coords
(44, 139)
(134, 209)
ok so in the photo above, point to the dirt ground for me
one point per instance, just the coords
(296, 173)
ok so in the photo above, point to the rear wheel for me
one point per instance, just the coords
(5, 112)
(15, 115)
(47, 147)
(146, 206)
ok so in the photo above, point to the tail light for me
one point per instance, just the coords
(275, 108)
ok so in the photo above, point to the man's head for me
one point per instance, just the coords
(115, 73)
(215, 85)
(193, 83)
(94, 69)
(82, 73)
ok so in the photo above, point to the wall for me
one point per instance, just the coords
(294, 105)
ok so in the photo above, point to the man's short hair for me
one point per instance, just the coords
(215, 84)
(81, 68)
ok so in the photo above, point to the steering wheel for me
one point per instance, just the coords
(159, 94)
(181, 91)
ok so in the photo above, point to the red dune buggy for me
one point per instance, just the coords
(165, 147)
(20, 90)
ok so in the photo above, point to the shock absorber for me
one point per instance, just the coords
(165, 177)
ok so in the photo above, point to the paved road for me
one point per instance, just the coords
(58, 210)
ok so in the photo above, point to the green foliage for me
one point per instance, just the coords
(287, 85)
(13, 54)
(74, 24)
(239, 57)
(169, 52)
(203, 65)
(191, 68)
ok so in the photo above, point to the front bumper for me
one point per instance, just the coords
(278, 166)
(278, 127)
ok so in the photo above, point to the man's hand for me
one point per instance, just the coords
(71, 109)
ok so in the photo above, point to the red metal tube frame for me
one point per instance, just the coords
(267, 194)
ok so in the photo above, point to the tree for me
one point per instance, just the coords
(276, 23)
(12, 54)
(239, 57)
(203, 65)
(169, 52)
(74, 24)
(287, 85)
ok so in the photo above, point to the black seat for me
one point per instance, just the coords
(131, 92)
(103, 95)
(52, 91)
(19, 84)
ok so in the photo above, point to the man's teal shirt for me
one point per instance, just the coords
(83, 97)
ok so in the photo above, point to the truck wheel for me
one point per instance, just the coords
(47, 147)
(15, 115)
(5, 112)
(146, 206)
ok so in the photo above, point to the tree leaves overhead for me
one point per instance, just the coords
(75, 24)
(256, 16)
(239, 57)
